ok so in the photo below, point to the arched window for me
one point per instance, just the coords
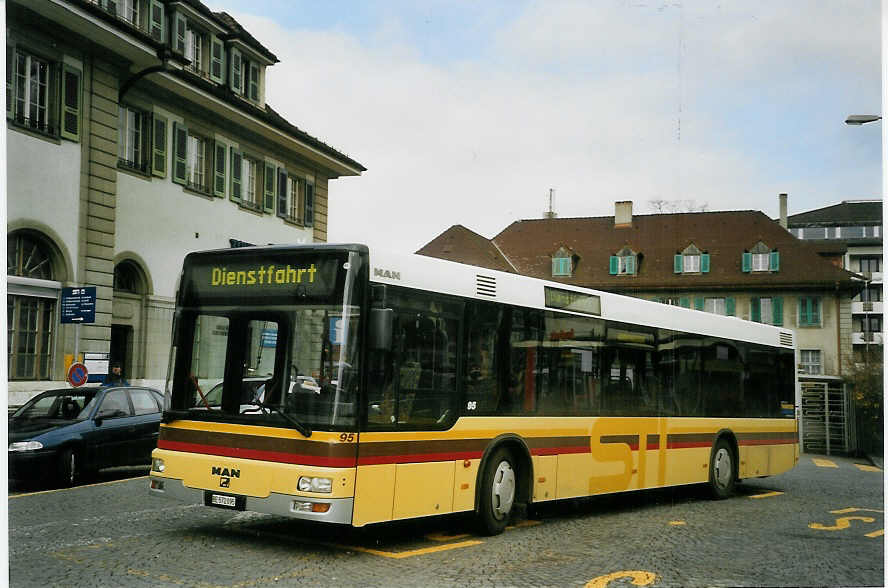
(28, 257)
(30, 330)
(128, 278)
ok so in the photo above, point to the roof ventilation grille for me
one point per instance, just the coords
(786, 338)
(485, 286)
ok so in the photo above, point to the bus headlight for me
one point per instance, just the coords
(157, 464)
(307, 484)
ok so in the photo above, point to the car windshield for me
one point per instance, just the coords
(58, 405)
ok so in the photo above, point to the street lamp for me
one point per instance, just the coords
(859, 119)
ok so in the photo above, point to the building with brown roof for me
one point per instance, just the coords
(738, 263)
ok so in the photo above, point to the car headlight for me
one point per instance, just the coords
(157, 465)
(25, 446)
(307, 484)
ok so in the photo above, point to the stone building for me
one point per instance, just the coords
(138, 131)
(737, 263)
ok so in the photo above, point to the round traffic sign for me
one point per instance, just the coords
(77, 374)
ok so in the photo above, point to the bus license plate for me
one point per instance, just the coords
(225, 501)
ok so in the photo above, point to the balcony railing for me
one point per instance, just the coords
(38, 125)
(139, 166)
(129, 20)
(866, 307)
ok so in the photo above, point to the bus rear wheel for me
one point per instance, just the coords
(497, 492)
(722, 476)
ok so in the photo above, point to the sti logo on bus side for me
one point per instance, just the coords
(380, 273)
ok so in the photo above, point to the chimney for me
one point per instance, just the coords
(783, 222)
(623, 214)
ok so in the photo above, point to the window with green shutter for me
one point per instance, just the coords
(270, 175)
(698, 303)
(217, 59)
(159, 146)
(157, 21)
(180, 153)
(755, 310)
(809, 311)
(181, 28)
(235, 75)
(775, 261)
(730, 306)
(71, 97)
(219, 169)
(704, 263)
(308, 218)
(777, 308)
(614, 268)
(236, 175)
(684, 302)
(253, 82)
(677, 264)
(747, 262)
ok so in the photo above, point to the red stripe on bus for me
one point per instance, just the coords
(687, 444)
(275, 456)
(417, 458)
(767, 442)
(560, 450)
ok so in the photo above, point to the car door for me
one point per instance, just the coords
(147, 422)
(113, 429)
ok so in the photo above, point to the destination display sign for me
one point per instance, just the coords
(573, 301)
(229, 278)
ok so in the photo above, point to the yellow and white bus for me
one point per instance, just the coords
(332, 383)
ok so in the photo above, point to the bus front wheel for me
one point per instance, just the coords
(497, 492)
(722, 476)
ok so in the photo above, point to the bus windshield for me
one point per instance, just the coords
(268, 354)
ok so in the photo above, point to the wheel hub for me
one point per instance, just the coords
(722, 468)
(503, 489)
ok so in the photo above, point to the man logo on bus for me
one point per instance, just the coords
(226, 475)
(379, 273)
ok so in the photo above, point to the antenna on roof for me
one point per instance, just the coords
(551, 212)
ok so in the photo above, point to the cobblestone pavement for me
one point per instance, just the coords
(819, 524)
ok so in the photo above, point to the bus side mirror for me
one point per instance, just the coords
(380, 335)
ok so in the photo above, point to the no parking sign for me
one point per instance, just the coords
(77, 374)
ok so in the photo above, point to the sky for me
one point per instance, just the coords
(467, 112)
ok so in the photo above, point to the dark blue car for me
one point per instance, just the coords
(65, 434)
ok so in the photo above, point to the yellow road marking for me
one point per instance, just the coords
(638, 579)
(766, 495)
(524, 523)
(841, 523)
(677, 523)
(824, 463)
(76, 487)
(854, 509)
(878, 533)
(413, 552)
(866, 468)
(445, 537)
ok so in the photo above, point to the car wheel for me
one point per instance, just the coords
(68, 467)
(497, 492)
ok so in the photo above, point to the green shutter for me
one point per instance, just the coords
(676, 264)
(236, 67)
(730, 307)
(270, 175)
(777, 307)
(180, 155)
(217, 59)
(236, 170)
(308, 218)
(755, 310)
(699, 303)
(614, 265)
(220, 151)
(10, 73)
(253, 81)
(684, 302)
(157, 21)
(70, 103)
(704, 263)
(747, 262)
(159, 146)
(775, 261)
(179, 38)
(630, 264)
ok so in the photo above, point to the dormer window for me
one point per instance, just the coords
(562, 263)
(691, 261)
(245, 75)
(194, 41)
(624, 262)
(761, 258)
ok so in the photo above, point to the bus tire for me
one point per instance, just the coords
(722, 470)
(498, 490)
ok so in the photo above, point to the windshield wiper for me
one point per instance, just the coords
(296, 424)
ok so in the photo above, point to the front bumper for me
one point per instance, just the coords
(276, 504)
(31, 465)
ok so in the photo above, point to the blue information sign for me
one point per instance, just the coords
(269, 338)
(79, 305)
